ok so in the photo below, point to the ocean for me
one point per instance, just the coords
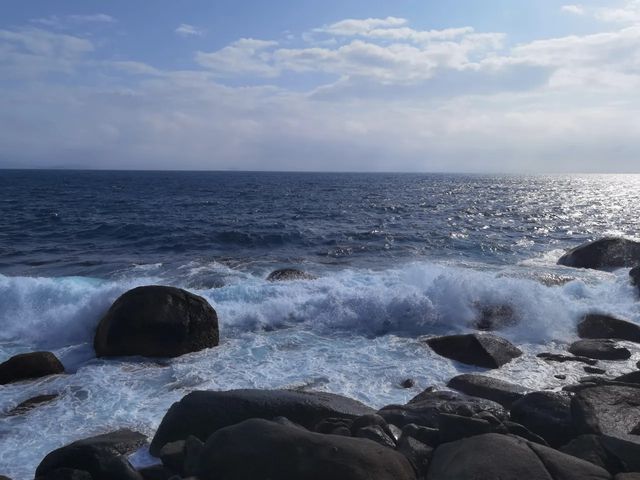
(397, 257)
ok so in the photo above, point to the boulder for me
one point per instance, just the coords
(202, 413)
(605, 253)
(259, 449)
(455, 427)
(594, 370)
(612, 454)
(29, 365)
(156, 472)
(424, 409)
(634, 274)
(627, 476)
(561, 358)
(632, 377)
(482, 350)
(482, 386)
(595, 325)
(156, 321)
(408, 383)
(31, 403)
(494, 456)
(547, 414)
(67, 474)
(417, 453)
(494, 317)
(285, 274)
(600, 349)
(612, 410)
(102, 456)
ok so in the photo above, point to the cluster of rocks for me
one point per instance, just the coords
(482, 428)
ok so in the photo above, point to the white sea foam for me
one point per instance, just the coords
(354, 332)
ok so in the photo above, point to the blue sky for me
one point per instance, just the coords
(403, 85)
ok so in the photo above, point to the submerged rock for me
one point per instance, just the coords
(494, 317)
(499, 391)
(31, 403)
(504, 457)
(157, 321)
(600, 349)
(561, 358)
(605, 253)
(482, 350)
(285, 274)
(29, 365)
(595, 325)
(259, 449)
(202, 413)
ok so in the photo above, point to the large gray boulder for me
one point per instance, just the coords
(596, 325)
(157, 321)
(605, 253)
(599, 349)
(202, 413)
(612, 410)
(612, 454)
(259, 449)
(504, 457)
(547, 414)
(483, 386)
(482, 350)
(29, 365)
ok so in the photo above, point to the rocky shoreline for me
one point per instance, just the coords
(482, 427)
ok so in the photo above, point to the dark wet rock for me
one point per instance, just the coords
(2, 477)
(418, 454)
(488, 417)
(494, 317)
(408, 383)
(595, 325)
(288, 453)
(157, 321)
(610, 453)
(605, 253)
(428, 436)
(600, 349)
(424, 409)
(172, 456)
(285, 274)
(493, 456)
(334, 426)
(29, 365)
(560, 376)
(376, 434)
(30, 404)
(634, 274)
(103, 456)
(202, 413)
(193, 448)
(633, 377)
(521, 431)
(67, 474)
(455, 427)
(547, 414)
(482, 350)
(627, 476)
(371, 420)
(561, 358)
(595, 370)
(156, 472)
(612, 410)
(482, 386)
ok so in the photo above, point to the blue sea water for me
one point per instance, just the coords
(397, 257)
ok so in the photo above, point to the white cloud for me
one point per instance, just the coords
(352, 27)
(246, 56)
(65, 21)
(186, 30)
(627, 11)
(575, 9)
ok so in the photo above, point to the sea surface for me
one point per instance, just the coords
(397, 257)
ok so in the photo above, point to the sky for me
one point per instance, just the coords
(512, 86)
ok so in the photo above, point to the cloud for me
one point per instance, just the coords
(575, 9)
(246, 56)
(626, 12)
(186, 30)
(65, 21)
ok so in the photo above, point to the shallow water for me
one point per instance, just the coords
(397, 257)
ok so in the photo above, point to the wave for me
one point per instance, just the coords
(411, 300)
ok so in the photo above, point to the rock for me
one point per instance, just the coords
(521, 431)
(594, 370)
(455, 427)
(612, 454)
(424, 409)
(605, 253)
(334, 426)
(288, 453)
(494, 317)
(612, 410)
(596, 325)
(101, 456)
(157, 321)
(428, 436)
(627, 476)
(558, 357)
(376, 434)
(201, 413)
(633, 377)
(493, 456)
(482, 350)
(547, 414)
(600, 349)
(482, 386)
(67, 474)
(560, 376)
(372, 420)
(193, 448)
(172, 456)
(634, 274)
(408, 383)
(29, 365)
(32, 403)
(285, 274)
(417, 453)
(156, 472)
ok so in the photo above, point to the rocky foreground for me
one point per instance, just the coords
(482, 428)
